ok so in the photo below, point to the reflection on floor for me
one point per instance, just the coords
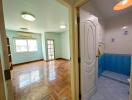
(108, 89)
(42, 81)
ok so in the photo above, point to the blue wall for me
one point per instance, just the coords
(119, 63)
(26, 56)
(101, 64)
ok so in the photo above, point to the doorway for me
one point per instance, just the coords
(50, 49)
(111, 73)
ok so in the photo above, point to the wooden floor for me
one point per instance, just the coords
(42, 81)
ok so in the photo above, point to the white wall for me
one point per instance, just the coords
(87, 11)
(122, 43)
(110, 29)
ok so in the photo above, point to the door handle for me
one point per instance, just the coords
(97, 56)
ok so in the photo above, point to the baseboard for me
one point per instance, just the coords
(27, 62)
(62, 59)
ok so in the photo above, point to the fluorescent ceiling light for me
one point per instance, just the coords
(28, 17)
(62, 26)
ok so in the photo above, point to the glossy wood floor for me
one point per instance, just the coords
(42, 81)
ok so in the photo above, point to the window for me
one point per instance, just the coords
(32, 45)
(26, 45)
(21, 45)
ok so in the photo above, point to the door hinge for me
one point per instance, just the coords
(7, 74)
(79, 60)
(80, 96)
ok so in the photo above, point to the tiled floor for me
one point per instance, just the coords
(115, 76)
(42, 81)
(108, 89)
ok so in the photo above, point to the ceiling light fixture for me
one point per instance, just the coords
(122, 5)
(124, 2)
(62, 26)
(124, 27)
(28, 17)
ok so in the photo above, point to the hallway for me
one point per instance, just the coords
(42, 81)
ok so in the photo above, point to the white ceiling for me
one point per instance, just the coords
(49, 14)
(105, 7)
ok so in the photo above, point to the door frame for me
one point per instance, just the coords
(8, 89)
(2, 96)
(47, 49)
(73, 6)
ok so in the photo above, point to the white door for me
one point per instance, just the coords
(88, 58)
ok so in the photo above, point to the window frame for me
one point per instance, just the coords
(27, 45)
